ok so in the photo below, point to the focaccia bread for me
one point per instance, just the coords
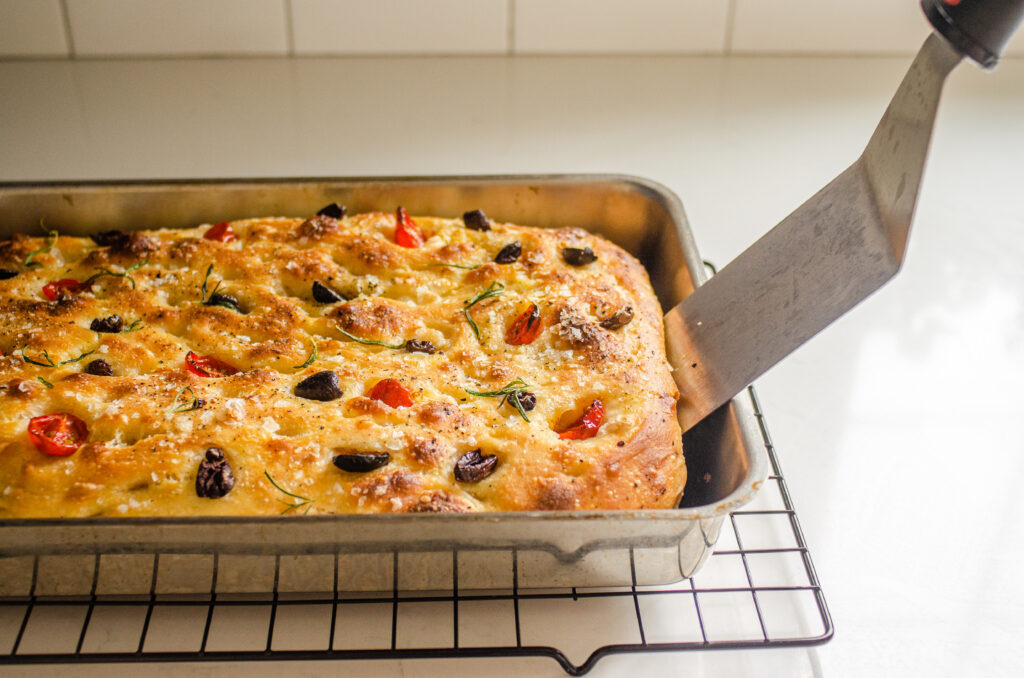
(331, 364)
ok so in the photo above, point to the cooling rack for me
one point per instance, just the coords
(758, 590)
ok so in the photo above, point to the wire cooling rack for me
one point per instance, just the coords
(759, 589)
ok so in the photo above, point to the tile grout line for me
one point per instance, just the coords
(69, 40)
(510, 28)
(730, 27)
(289, 28)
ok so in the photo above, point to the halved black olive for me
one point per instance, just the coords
(619, 319)
(419, 346)
(99, 368)
(324, 294)
(472, 467)
(112, 324)
(509, 253)
(7, 273)
(116, 239)
(526, 400)
(321, 386)
(476, 221)
(578, 257)
(225, 300)
(214, 479)
(334, 211)
(361, 463)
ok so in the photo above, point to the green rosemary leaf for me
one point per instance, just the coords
(309, 361)
(74, 360)
(464, 268)
(206, 277)
(44, 382)
(51, 240)
(196, 403)
(134, 327)
(303, 501)
(510, 393)
(49, 361)
(372, 342)
(495, 289)
(126, 273)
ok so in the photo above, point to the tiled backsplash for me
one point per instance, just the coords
(136, 28)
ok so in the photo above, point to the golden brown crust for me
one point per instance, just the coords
(152, 421)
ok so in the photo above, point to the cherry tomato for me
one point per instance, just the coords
(57, 435)
(391, 393)
(221, 233)
(208, 366)
(586, 426)
(407, 233)
(525, 328)
(53, 290)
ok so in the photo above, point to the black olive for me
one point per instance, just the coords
(578, 257)
(112, 324)
(472, 467)
(509, 253)
(115, 239)
(418, 346)
(334, 211)
(225, 300)
(100, 368)
(619, 319)
(527, 400)
(7, 274)
(476, 221)
(325, 295)
(322, 386)
(361, 463)
(214, 479)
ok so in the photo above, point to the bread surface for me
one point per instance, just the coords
(152, 422)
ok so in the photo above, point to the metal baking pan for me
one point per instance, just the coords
(725, 457)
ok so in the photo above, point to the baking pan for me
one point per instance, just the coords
(725, 457)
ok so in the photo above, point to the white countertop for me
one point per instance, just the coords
(895, 427)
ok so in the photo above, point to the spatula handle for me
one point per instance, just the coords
(979, 29)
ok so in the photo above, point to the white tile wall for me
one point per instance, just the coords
(177, 27)
(828, 26)
(100, 28)
(400, 26)
(32, 28)
(609, 26)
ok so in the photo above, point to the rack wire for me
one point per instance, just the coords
(758, 590)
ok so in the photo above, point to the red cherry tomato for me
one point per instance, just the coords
(391, 393)
(407, 233)
(57, 435)
(525, 328)
(208, 366)
(53, 290)
(221, 233)
(586, 426)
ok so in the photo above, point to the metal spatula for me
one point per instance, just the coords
(839, 246)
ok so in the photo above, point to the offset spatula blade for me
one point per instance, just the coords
(824, 258)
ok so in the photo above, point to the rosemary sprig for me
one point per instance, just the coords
(134, 327)
(51, 240)
(372, 342)
(216, 287)
(303, 501)
(309, 361)
(49, 361)
(510, 392)
(44, 382)
(196, 403)
(464, 268)
(126, 273)
(495, 289)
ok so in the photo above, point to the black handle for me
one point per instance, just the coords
(979, 29)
